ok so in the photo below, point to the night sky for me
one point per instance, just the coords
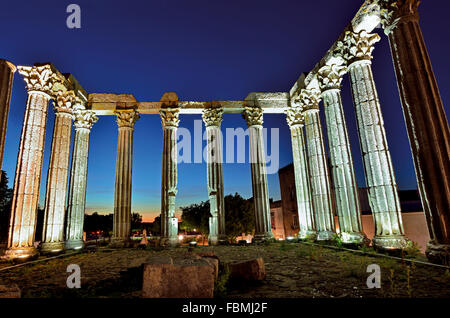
(203, 50)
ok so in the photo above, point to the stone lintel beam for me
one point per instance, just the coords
(107, 104)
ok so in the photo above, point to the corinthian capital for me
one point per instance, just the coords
(212, 116)
(392, 11)
(357, 46)
(170, 116)
(65, 102)
(39, 78)
(253, 115)
(126, 118)
(330, 76)
(294, 116)
(309, 99)
(84, 119)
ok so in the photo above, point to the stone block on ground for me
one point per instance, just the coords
(178, 278)
(251, 270)
(10, 291)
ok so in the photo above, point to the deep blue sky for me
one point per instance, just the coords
(203, 50)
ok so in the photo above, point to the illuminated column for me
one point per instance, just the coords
(318, 166)
(7, 71)
(306, 217)
(344, 180)
(254, 118)
(40, 80)
(169, 223)
(55, 199)
(383, 194)
(427, 125)
(122, 193)
(84, 119)
(212, 118)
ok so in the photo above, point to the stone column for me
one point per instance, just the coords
(55, 198)
(254, 118)
(318, 166)
(7, 71)
(212, 118)
(427, 125)
(122, 193)
(169, 223)
(343, 174)
(356, 49)
(22, 227)
(84, 119)
(307, 221)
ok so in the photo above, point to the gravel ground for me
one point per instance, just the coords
(293, 270)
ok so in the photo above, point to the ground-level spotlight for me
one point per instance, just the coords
(290, 238)
(193, 243)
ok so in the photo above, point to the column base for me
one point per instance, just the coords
(325, 235)
(262, 237)
(119, 242)
(74, 245)
(223, 239)
(389, 243)
(438, 253)
(213, 240)
(307, 235)
(354, 238)
(23, 254)
(52, 248)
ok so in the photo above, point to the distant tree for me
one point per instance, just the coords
(196, 216)
(155, 226)
(239, 216)
(136, 221)
(97, 222)
(5, 206)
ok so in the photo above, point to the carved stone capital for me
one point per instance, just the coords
(84, 119)
(393, 11)
(170, 116)
(212, 116)
(127, 118)
(294, 116)
(253, 115)
(357, 46)
(65, 102)
(330, 77)
(309, 99)
(39, 78)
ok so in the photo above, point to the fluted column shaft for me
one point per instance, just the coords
(212, 118)
(78, 180)
(53, 230)
(27, 180)
(344, 180)
(383, 193)
(426, 122)
(122, 193)
(320, 182)
(7, 71)
(28, 175)
(263, 229)
(169, 223)
(306, 217)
